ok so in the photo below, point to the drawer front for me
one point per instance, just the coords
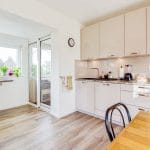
(135, 99)
(133, 110)
(128, 87)
(116, 116)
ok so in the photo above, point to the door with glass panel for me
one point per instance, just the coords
(45, 72)
(33, 64)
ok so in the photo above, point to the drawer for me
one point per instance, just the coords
(135, 99)
(101, 114)
(128, 87)
(133, 110)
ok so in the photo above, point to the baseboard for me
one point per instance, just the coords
(34, 105)
(15, 106)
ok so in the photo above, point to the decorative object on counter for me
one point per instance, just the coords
(10, 72)
(71, 42)
(141, 78)
(3, 70)
(110, 75)
(17, 71)
(106, 76)
(121, 73)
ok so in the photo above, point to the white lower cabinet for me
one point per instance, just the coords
(132, 98)
(85, 96)
(135, 97)
(106, 95)
(93, 97)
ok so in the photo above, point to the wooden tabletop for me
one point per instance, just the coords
(136, 136)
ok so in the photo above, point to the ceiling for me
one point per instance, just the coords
(14, 25)
(90, 11)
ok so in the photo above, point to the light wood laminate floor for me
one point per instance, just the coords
(27, 128)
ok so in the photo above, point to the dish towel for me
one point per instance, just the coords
(69, 82)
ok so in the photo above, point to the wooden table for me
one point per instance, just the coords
(136, 136)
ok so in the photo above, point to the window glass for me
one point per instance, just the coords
(9, 57)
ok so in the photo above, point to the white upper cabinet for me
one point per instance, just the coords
(148, 30)
(90, 42)
(112, 37)
(135, 32)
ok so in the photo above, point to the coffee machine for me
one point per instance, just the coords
(128, 75)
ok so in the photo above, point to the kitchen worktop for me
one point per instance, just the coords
(115, 81)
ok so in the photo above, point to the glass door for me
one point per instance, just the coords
(33, 64)
(45, 72)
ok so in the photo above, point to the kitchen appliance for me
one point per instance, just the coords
(128, 75)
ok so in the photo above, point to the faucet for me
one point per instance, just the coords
(97, 70)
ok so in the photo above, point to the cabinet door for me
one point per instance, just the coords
(148, 30)
(135, 32)
(90, 42)
(85, 96)
(106, 95)
(112, 37)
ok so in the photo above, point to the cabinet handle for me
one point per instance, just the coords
(135, 53)
(143, 87)
(141, 109)
(83, 82)
(106, 84)
(143, 95)
(112, 55)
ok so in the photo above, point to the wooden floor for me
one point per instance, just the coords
(27, 128)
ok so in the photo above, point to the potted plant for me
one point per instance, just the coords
(17, 72)
(3, 69)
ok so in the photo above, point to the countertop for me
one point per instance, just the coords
(113, 81)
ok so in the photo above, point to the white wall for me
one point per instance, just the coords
(140, 66)
(15, 93)
(63, 101)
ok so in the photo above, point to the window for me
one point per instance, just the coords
(9, 57)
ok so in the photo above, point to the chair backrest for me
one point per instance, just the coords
(109, 115)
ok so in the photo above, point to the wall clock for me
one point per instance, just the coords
(71, 42)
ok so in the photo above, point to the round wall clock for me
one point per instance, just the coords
(71, 42)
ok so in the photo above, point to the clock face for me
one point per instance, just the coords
(71, 42)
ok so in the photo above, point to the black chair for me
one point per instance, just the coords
(108, 118)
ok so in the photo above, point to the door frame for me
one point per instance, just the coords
(38, 41)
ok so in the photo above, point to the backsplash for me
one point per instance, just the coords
(140, 65)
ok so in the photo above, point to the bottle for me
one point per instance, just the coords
(121, 73)
(110, 75)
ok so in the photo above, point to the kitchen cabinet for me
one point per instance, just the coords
(136, 98)
(112, 37)
(137, 95)
(106, 95)
(85, 96)
(135, 32)
(90, 42)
